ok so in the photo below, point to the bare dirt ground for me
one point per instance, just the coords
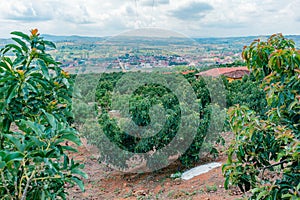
(105, 183)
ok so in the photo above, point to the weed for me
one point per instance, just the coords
(117, 191)
(170, 193)
(128, 194)
(212, 188)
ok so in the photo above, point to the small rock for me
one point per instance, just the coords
(141, 193)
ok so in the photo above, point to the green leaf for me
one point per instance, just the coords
(286, 196)
(6, 65)
(22, 35)
(69, 148)
(78, 182)
(226, 183)
(50, 44)
(20, 60)
(255, 190)
(5, 50)
(17, 48)
(36, 154)
(5, 79)
(71, 137)
(67, 98)
(51, 119)
(15, 141)
(37, 141)
(292, 105)
(23, 44)
(79, 172)
(48, 59)
(33, 126)
(262, 194)
(31, 87)
(41, 47)
(44, 69)
(2, 154)
(278, 112)
(2, 164)
(39, 80)
(14, 156)
(12, 92)
(43, 197)
(66, 161)
(275, 194)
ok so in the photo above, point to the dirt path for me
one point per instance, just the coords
(104, 183)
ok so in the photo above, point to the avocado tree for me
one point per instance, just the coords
(35, 114)
(265, 155)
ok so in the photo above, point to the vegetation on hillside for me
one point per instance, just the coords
(213, 97)
(145, 112)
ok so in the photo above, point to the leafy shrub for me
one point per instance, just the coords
(247, 92)
(147, 99)
(265, 154)
(35, 114)
(140, 103)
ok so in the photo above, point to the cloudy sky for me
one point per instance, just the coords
(202, 18)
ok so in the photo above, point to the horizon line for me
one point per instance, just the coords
(197, 37)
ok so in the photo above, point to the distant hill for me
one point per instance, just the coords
(73, 38)
(245, 40)
(235, 42)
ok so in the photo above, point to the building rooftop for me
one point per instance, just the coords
(231, 72)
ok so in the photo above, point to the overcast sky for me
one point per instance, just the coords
(203, 18)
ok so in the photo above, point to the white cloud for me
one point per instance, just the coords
(192, 11)
(154, 2)
(25, 11)
(191, 17)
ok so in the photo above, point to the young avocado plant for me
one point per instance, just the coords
(35, 114)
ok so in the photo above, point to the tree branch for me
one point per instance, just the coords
(270, 166)
(4, 185)
(27, 186)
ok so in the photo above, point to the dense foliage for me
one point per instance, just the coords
(139, 105)
(246, 92)
(213, 96)
(265, 155)
(35, 114)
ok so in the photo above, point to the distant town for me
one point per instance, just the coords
(90, 54)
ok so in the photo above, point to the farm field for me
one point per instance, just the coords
(152, 125)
